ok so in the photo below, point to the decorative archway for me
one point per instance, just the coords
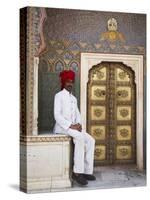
(136, 64)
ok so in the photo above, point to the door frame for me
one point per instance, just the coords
(136, 63)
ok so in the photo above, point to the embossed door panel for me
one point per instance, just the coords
(125, 112)
(111, 112)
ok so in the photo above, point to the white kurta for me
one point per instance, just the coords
(66, 112)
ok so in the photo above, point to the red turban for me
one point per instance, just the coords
(66, 75)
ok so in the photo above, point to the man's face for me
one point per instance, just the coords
(69, 85)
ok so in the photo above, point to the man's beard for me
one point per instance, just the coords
(69, 87)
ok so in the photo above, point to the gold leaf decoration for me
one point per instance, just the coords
(123, 151)
(99, 93)
(122, 93)
(100, 74)
(124, 112)
(124, 132)
(98, 132)
(98, 112)
(122, 75)
(98, 152)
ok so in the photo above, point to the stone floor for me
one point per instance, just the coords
(113, 177)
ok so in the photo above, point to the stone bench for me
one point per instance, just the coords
(45, 162)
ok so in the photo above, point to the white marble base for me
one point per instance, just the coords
(45, 163)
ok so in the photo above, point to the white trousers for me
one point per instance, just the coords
(83, 152)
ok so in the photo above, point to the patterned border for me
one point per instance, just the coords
(42, 45)
(33, 20)
(23, 29)
(51, 138)
(56, 50)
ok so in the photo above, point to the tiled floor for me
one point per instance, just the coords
(113, 177)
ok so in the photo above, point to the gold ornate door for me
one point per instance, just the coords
(111, 112)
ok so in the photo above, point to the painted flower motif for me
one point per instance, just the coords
(74, 66)
(59, 66)
(68, 56)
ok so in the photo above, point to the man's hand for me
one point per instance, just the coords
(77, 127)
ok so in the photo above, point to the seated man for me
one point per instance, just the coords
(68, 121)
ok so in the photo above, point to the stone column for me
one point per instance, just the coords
(35, 96)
